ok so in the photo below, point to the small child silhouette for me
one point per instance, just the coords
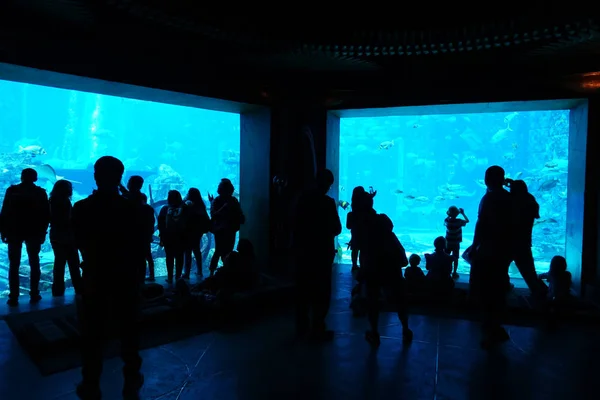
(454, 227)
(561, 302)
(413, 272)
(439, 267)
(559, 280)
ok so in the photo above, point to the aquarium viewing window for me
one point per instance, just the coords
(422, 165)
(61, 133)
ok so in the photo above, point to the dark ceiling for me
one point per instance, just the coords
(182, 43)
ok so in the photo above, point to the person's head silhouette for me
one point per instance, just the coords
(324, 180)
(29, 176)
(108, 172)
(135, 183)
(494, 177)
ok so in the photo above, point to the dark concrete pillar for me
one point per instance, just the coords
(586, 144)
(576, 192)
(298, 148)
(255, 177)
(332, 152)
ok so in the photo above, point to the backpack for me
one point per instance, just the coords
(175, 221)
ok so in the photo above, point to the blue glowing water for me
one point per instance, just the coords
(421, 165)
(172, 147)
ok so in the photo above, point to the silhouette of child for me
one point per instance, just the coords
(354, 218)
(454, 227)
(413, 273)
(439, 267)
(559, 280)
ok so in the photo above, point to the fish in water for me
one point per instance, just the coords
(343, 204)
(398, 191)
(549, 184)
(545, 221)
(501, 135)
(417, 126)
(510, 117)
(481, 183)
(386, 145)
(33, 150)
(46, 172)
(175, 146)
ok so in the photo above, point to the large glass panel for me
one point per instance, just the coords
(422, 165)
(61, 133)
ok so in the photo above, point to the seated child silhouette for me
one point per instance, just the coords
(454, 227)
(439, 267)
(559, 281)
(414, 274)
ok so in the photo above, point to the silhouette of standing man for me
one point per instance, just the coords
(317, 225)
(110, 234)
(24, 218)
(492, 254)
(525, 211)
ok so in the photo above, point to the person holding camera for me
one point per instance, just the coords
(454, 227)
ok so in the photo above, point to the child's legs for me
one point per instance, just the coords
(454, 250)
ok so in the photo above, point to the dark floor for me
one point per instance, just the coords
(264, 362)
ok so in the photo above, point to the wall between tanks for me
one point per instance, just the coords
(591, 256)
(293, 160)
(576, 193)
(255, 178)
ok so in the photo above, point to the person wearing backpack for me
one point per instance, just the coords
(24, 218)
(172, 230)
(382, 259)
(226, 218)
(198, 224)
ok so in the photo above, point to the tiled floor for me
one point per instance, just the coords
(264, 362)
